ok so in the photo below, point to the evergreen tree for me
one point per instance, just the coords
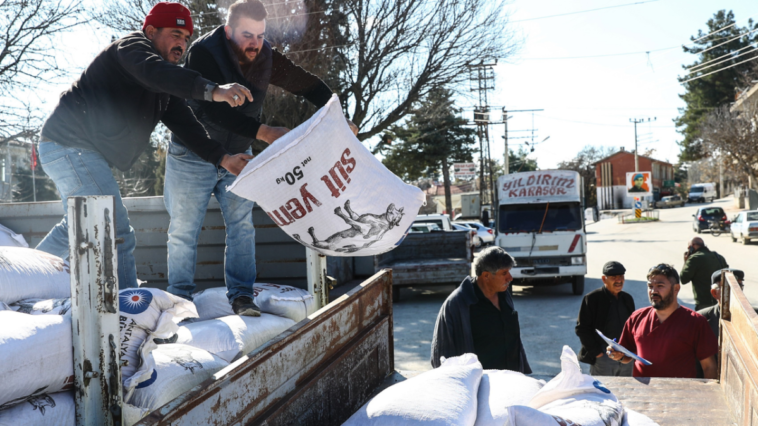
(24, 186)
(704, 94)
(432, 139)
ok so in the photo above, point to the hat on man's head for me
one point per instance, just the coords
(716, 276)
(169, 15)
(613, 268)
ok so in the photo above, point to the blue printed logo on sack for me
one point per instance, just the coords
(600, 386)
(135, 301)
(149, 381)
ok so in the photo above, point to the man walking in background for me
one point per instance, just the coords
(605, 309)
(699, 264)
(106, 118)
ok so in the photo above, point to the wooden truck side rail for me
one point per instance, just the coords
(738, 355)
(318, 372)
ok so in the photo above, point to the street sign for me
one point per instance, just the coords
(464, 170)
(637, 207)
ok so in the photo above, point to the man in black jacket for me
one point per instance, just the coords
(605, 309)
(106, 118)
(234, 53)
(479, 317)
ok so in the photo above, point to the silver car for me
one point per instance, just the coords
(745, 227)
(474, 237)
(487, 235)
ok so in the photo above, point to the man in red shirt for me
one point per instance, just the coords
(672, 337)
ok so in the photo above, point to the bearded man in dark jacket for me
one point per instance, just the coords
(106, 118)
(233, 53)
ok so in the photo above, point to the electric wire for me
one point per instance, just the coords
(695, 68)
(719, 70)
(726, 60)
(583, 11)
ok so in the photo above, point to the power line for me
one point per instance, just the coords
(725, 60)
(693, 68)
(728, 41)
(583, 11)
(597, 124)
(603, 55)
(719, 70)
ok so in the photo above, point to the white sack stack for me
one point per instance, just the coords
(327, 191)
(278, 299)
(37, 356)
(234, 335)
(42, 306)
(32, 274)
(500, 389)
(57, 409)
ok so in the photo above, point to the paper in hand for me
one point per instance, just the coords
(618, 348)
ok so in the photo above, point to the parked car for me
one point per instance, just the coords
(474, 237)
(423, 228)
(745, 227)
(441, 220)
(669, 202)
(487, 235)
(705, 214)
(702, 193)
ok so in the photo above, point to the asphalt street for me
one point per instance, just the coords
(547, 315)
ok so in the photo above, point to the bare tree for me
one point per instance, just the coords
(735, 135)
(28, 29)
(125, 16)
(399, 50)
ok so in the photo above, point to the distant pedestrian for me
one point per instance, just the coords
(605, 309)
(672, 337)
(699, 264)
(478, 317)
(713, 313)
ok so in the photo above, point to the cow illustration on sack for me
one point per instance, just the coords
(186, 360)
(39, 402)
(370, 226)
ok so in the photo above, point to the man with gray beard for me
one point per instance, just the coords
(672, 337)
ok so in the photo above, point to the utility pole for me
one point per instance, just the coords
(482, 79)
(637, 121)
(506, 163)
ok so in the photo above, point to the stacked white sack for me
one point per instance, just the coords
(8, 238)
(177, 369)
(32, 274)
(500, 389)
(42, 306)
(445, 396)
(326, 190)
(57, 410)
(232, 336)
(278, 299)
(570, 397)
(36, 356)
(147, 314)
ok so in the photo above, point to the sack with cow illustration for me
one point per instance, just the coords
(32, 274)
(57, 409)
(42, 306)
(37, 356)
(327, 191)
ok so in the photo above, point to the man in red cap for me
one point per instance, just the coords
(233, 53)
(105, 119)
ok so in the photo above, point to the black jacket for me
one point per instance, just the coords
(119, 99)
(237, 127)
(592, 316)
(452, 332)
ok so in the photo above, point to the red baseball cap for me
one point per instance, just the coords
(169, 15)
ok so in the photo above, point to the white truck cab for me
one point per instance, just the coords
(541, 224)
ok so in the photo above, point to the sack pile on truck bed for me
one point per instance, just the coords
(36, 341)
(460, 393)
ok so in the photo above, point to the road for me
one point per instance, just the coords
(548, 314)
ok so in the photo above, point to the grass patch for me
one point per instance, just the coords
(640, 219)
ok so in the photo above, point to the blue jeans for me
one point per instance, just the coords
(189, 183)
(78, 172)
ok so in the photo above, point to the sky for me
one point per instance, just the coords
(589, 101)
(586, 100)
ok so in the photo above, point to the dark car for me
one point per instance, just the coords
(705, 214)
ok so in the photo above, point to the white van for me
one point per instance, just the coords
(702, 193)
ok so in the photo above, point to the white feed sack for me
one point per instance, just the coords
(633, 418)
(445, 396)
(32, 274)
(43, 306)
(231, 336)
(327, 191)
(57, 409)
(8, 238)
(37, 356)
(178, 368)
(500, 389)
(147, 314)
(282, 300)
